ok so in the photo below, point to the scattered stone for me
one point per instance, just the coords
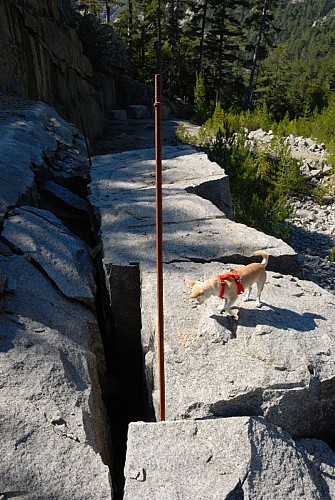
(314, 224)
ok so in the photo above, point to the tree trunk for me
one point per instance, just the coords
(250, 94)
(202, 35)
(158, 43)
(108, 11)
(130, 28)
(220, 55)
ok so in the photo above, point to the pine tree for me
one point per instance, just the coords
(223, 48)
(261, 17)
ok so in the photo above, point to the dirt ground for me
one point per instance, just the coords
(128, 135)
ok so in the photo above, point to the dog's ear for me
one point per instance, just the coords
(190, 282)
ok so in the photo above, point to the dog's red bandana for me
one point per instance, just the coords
(233, 275)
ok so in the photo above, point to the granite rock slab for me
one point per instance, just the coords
(54, 437)
(277, 361)
(42, 237)
(196, 211)
(231, 458)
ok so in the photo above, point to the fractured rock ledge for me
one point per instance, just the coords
(276, 361)
(195, 228)
(233, 458)
(53, 422)
(40, 236)
(55, 440)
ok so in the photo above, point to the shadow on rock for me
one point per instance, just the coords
(278, 317)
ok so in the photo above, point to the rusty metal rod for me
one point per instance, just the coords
(159, 243)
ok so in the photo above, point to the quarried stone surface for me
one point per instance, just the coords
(43, 60)
(231, 458)
(54, 439)
(276, 361)
(195, 228)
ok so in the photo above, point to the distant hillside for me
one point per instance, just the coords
(304, 23)
(299, 74)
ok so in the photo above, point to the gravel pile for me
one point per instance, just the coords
(313, 237)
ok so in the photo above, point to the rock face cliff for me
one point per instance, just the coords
(54, 429)
(43, 60)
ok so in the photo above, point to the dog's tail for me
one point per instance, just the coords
(264, 255)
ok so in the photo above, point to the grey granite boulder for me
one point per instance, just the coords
(276, 361)
(42, 237)
(32, 140)
(54, 431)
(196, 199)
(233, 458)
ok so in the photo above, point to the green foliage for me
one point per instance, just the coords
(293, 84)
(99, 42)
(200, 106)
(92, 6)
(331, 257)
(261, 181)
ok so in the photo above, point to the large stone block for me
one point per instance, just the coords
(276, 361)
(54, 431)
(232, 458)
(138, 111)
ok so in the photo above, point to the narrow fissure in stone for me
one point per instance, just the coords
(118, 313)
(125, 393)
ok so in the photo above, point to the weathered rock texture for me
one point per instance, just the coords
(231, 458)
(43, 60)
(42, 238)
(276, 361)
(53, 423)
(37, 143)
(196, 211)
(55, 441)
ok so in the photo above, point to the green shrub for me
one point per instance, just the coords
(202, 109)
(261, 181)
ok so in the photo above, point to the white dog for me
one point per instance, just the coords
(229, 285)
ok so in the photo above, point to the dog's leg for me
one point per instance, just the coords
(222, 307)
(260, 286)
(229, 304)
(247, 294)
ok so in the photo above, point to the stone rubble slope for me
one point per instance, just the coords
(55, 441)
(313, 237)
(313, 225)
(235, 458)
